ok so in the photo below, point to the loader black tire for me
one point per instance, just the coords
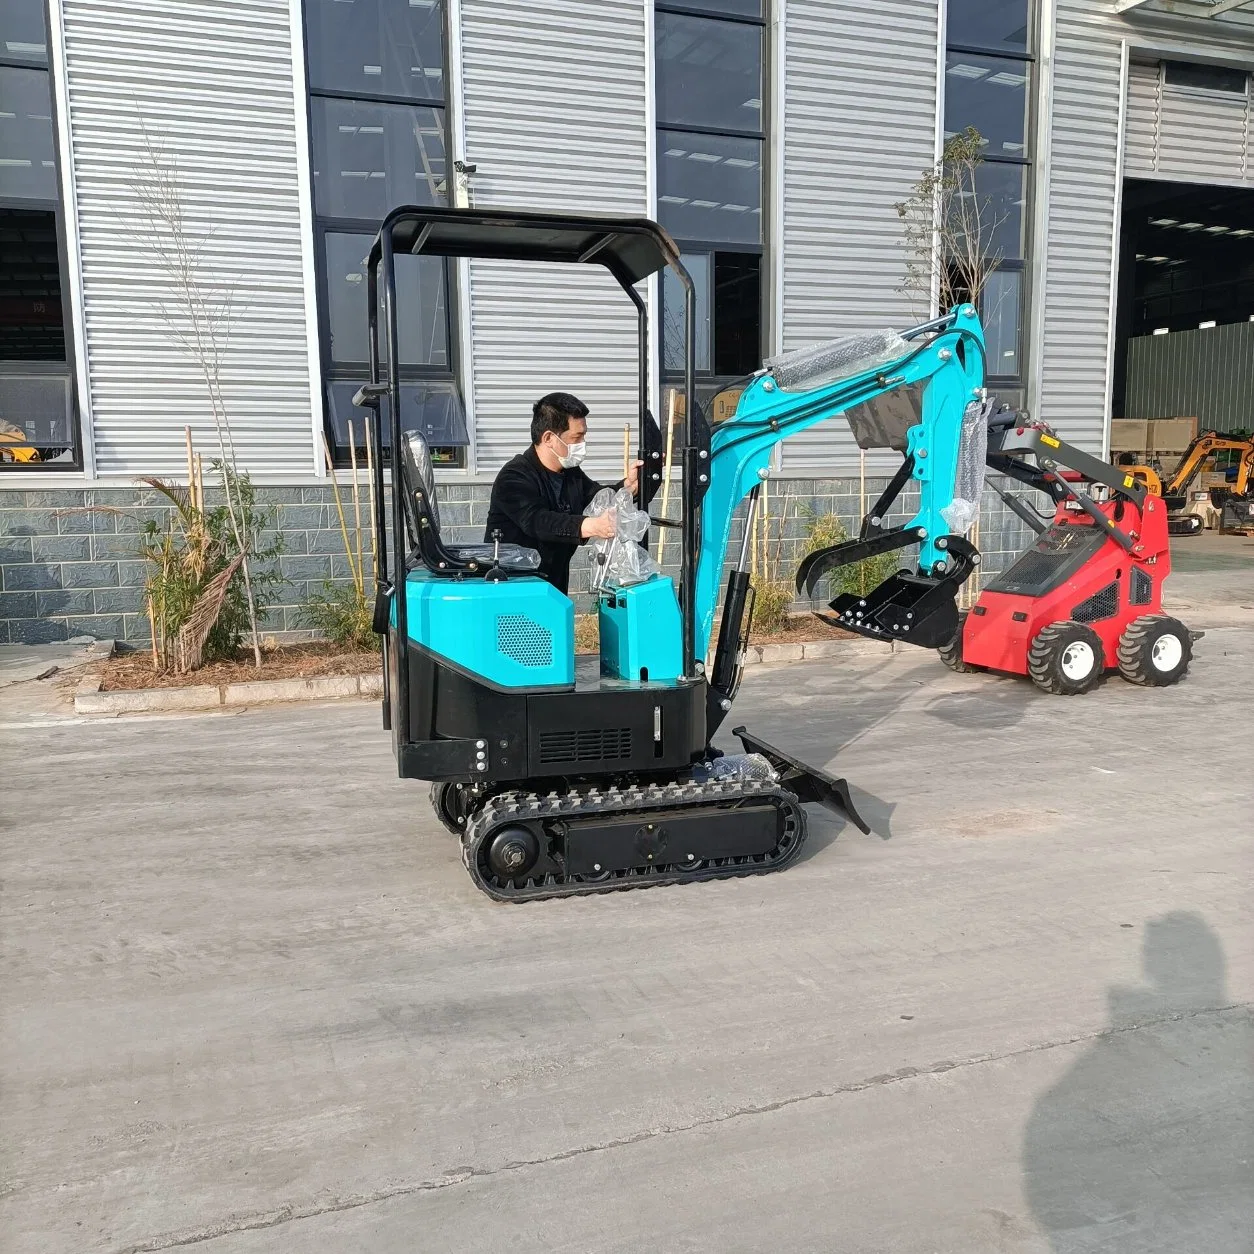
(951, 653)
(1066, 659)
(1155, 651)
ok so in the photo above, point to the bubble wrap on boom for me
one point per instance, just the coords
(960, 514)
(820, 364)
(620, 561)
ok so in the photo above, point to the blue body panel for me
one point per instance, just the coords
(519, 633)
(641, 632)
(741, 447)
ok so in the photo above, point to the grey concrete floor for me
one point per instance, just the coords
(251, 1001)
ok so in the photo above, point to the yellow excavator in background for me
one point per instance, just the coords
(1200, 455)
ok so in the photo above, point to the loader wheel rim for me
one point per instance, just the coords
(1167, 653)
(1078, 660)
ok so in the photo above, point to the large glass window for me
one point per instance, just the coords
(37, 426)
(710, 143)
(989, 68)
(377, 129)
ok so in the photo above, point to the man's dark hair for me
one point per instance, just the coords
(554, 413)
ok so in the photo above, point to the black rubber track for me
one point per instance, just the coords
(518, 807)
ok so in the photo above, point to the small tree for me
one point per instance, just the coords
(198, 310)
(949, 229)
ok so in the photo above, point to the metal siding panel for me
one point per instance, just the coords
(1205, 138)
(1207, 374)
(555, 118)
(1083, 195)
(860, 110)
(1141, 143)
(212, 84)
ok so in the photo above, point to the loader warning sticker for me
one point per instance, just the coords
(1128, 481)
(1049, 439)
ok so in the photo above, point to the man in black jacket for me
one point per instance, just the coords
(539, 497)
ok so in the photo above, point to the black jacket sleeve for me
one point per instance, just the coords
(521, 499)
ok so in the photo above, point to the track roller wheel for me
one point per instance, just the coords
(1066, 659)
(449, 801)
(951, 653)
(1155, 651)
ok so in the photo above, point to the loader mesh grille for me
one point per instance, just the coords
(1057, 555)
(1103, 604)
(599, 744)
(1142, 592)
(526, 641)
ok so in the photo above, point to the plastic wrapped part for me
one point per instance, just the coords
(620, 561)
(806, 368)
(741, 768)
(960, 514)
(885, 421)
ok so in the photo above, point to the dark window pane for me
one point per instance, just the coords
(28, 168)
(1001, 304)
(737, 313)
(377, 47)
(36, 406)
(31, 324)
(431, 406)
(709, 73)
(728, 8)
(421, 304)
(989, 24)
(710, 187)
(23, 36)
(990, 94)
(673, 310)
(369, 158)
(1207, 77)
(991, 212)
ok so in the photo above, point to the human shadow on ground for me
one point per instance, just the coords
(1146, 1144)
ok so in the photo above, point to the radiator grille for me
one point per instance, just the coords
(603, 744)
(526, 641)
(1103, 604)
(1142, 592)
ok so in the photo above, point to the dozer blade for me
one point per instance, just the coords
(916, 609)
(806, 783)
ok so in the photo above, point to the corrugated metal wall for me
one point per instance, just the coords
(1081, 236)
(1187, 135)
(212, 85)
(1207, 375)
(860, 116)
(555, 117)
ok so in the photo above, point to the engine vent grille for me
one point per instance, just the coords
(1142, 592)
(526, 641)
(1103, 604)
(603, 744)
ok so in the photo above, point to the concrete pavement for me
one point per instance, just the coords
(252, 1002)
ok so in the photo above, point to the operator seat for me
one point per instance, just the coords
(422, 514)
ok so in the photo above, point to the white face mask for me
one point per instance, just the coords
(574, 454)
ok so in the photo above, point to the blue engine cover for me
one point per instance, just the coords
(641, 632)
(519, 633)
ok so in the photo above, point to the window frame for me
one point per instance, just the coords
(1027, 164)
(691, 244)
(69, 368)
(333, 371)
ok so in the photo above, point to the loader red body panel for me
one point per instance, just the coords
(1075, 571)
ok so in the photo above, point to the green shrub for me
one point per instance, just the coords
(343, 615)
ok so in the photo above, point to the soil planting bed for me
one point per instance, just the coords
(289, 661)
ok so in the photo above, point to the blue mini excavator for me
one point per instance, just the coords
(560, 783)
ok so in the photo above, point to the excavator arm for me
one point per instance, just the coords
(1195, 456)
(942, 439)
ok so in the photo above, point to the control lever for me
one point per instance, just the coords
(495, 573)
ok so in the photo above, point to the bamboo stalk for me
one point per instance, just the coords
(626, 450)
(766, 530)
(200, 483)
(374, 556)
(352, 454)
(191, 466)
(152, 626)
(339, 506)
(667, 462)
